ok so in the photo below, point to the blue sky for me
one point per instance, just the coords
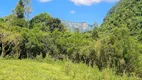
(72, 10)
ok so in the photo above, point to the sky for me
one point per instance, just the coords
(89, 11)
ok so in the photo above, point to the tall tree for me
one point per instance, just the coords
(23, 7)
(19, 10)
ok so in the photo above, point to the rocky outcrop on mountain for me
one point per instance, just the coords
(81, 26)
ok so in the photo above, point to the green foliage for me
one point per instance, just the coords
(23, 8)
(116, 44)
(42, 18)
(19, 10)
(12, 20)
(119, 50)
(1, 19)
(95, 32)
(46, 22)
(126, 13)
(123, 27)
(10, 41)
(33, 42)
(76, 46)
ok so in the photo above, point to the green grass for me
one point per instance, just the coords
(57, 70)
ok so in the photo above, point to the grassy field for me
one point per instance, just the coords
(57, 70)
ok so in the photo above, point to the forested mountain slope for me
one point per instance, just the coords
(126, 13)
(123, 26)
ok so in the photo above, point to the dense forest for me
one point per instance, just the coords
(116, 43)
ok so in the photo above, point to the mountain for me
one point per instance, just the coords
(126, 13)
(82, 26)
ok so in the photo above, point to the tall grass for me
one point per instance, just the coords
(48, 69)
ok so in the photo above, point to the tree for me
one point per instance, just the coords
(12, 20)
(32, 43)
(47, 22)
(20, 9)
(9, 41)
(23, 7)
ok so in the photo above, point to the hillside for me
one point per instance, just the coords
(35, 70)
(109, 52)
(82, 26)
(126, 13)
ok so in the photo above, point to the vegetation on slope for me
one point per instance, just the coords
(126, 13)
(112, 45)
(48, 70)
(126, 17)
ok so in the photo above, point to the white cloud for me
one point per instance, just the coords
(90, 2)
(72, 12)
(44, 1)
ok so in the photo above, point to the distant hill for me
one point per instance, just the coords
(82, 26)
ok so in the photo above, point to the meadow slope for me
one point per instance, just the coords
(57, 70)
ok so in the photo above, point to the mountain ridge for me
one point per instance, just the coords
(82, 26)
